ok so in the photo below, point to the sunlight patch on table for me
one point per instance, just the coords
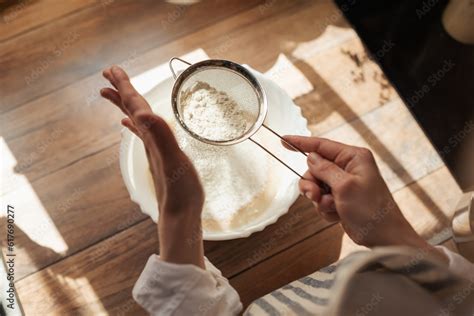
(30, 215)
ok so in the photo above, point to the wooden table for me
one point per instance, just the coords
(80, 242)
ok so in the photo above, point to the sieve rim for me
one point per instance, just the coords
(229, 66)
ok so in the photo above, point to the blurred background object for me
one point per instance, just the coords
(458, 20)
(431, 68)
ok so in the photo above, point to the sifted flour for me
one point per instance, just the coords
(232, 176)
(212, 114)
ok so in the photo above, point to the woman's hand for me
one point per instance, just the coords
(178, 189)
(359, 197)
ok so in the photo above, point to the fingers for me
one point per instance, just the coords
(107, 73)
(131, 99)
(325, 170)
(327, 204)
(327, 208)
(324, 204)
(114, 97)
(327, 148)
(310, 189)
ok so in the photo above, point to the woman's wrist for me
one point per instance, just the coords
(425, 248)
(180, 236)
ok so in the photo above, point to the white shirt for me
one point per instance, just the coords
(173, 289)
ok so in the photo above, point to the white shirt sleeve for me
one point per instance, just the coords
(457, 264)
(165, 288)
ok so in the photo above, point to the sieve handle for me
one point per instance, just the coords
(281, 161)
(170, 63)
(325, 188)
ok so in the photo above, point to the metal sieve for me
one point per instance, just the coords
(239, 84)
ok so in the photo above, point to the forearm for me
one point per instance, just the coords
(181, 238)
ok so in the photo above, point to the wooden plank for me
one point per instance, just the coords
(87, 41)
(23, 16)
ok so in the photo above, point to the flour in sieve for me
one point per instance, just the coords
(212, 114)
(232, 176)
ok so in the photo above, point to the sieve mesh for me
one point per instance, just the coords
(236, 82)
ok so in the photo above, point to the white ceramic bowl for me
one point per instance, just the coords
(283, 116)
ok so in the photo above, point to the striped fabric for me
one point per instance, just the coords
(361, 284)
(306, 296)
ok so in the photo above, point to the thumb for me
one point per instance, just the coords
(325, 170)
